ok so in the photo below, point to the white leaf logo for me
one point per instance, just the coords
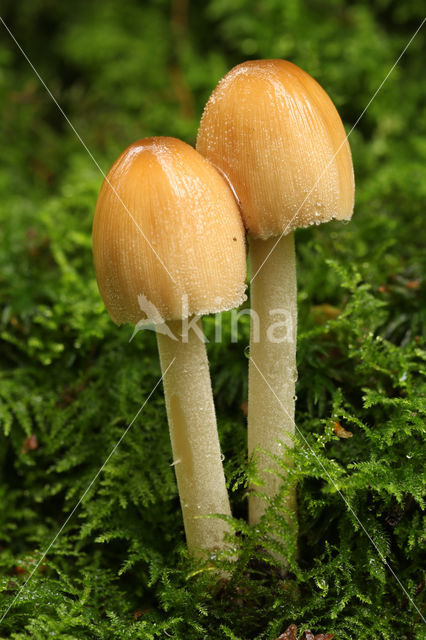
(153, 320)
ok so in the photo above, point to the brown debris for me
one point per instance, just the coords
(340, 431)
(20, 570)
(139, 613)
(291, 634)
(29, 444)
(16, 324)
(383, 289)
(413, 284)
(69, 394)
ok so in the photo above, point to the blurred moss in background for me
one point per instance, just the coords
(70, 381)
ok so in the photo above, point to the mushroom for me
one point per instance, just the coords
(276, 135)
(169, 246)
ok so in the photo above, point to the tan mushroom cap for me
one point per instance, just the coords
(168, 241)
(278, 138)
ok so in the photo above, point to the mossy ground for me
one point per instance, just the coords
(71, 382)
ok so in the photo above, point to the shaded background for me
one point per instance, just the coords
(71, 382)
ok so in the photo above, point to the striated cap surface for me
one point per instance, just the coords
(276, 135)
(168, 241)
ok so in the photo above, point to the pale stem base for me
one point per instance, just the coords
(271, 396)
(195, 444)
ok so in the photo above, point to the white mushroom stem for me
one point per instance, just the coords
(272, 367)
(197, 457)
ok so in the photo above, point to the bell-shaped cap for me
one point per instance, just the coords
(168, 240)
(276, 135)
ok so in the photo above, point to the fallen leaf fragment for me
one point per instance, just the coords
(29, 444)
(340, 431)
(413, 284)
(289, 634)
